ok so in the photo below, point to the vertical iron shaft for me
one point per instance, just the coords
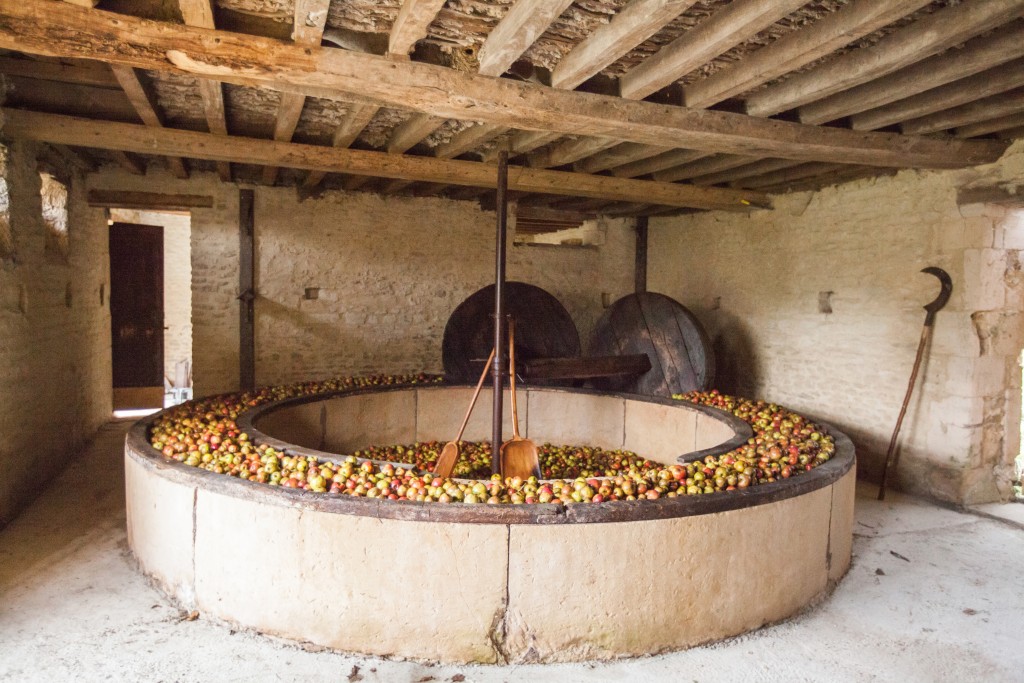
(497, 370)
(640, 270)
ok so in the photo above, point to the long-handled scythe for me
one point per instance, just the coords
(926, 333)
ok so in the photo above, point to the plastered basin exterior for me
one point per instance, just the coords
(481, 583)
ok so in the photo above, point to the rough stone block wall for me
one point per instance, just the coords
(390, 271)
(760, 283)
(177, 231)
(54, 334)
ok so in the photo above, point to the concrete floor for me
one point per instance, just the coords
(933, 595)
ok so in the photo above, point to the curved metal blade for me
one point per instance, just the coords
(944, 294)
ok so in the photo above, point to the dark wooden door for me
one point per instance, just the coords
(137, 314)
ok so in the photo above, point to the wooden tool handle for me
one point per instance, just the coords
(476, 393)
(512, 375)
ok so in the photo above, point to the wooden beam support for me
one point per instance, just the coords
(844, 175)
(996, 125)
(1006, 195)
(411, 24)
(925, 37)
(125, 137)
(620, 155)
(74, 158)
(407, 134)
(632, 25)
(982, 110)
(568, 151)
(151, 201)
(288, 113)
(713, 164)
(798, 48)
(788, 175)
(80, 73)
(516, 32)
(725, 28)
(745, 171)
(468, 140)
(41, 27)
(247, 290)
(144, 100)
(985, 84)
(660, 162)
(977, 55)
(200, 13)
(129, 162)
(355, 122)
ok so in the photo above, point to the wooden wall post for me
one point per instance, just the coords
(641, 254)
(247, 291)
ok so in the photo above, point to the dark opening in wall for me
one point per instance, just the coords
(54, 195)
(6, 234)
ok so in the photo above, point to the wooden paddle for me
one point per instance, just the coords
(519, 456)
(450, 453)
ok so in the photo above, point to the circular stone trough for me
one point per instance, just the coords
(490, 583)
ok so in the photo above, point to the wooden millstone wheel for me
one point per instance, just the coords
(544, 329)
(671, 337)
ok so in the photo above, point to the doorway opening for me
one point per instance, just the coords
(150, 309)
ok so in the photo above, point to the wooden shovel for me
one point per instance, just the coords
(450, 453)
(519, 456)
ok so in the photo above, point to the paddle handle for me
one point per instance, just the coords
(476, 393)
(512, 375)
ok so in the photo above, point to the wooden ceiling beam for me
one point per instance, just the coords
(977, 55)
(308, 21)
(568, 151)
(798, 48)
(153, 201)
(144, 100)
(923, 38)
(130, 138)
(359, 115)
(746, 171)
(985, 84)
(200, 13)
(632, 25)
(726, 28)
(660, 162)
(516, 32)
(713, 164)
(788, 175)
(992, 107)
(996, 125)
(468, 140)
(130, 162)
(59, 29)
(414, 18)
(80, 73)
(844, 175)
(620, 155)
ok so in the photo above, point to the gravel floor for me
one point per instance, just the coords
(933, 595)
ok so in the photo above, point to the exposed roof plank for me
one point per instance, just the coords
(516, 32)
(996, 125)
(720, 162)
(793, 51)
(414, 18)
(660, 162)
(620, 155)
(344, 135)
(632, 25)
(36, 26)
(975, 56)
(992, 107)
(734, 23)
(746, 171)
(128, 138)
(923, 38)
(144, 100)
(200, 13)
(985, 84)
(309, 20)
(81, 73)
(568, 151)
(468, 140)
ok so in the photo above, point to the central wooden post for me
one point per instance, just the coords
(498, 369)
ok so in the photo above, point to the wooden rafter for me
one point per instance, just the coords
(660, 162)
(568, 151)
(712, 164)
(746, 171)
(35, 26)
(797, 49)
(620, 155)
(1003, 104)
(200, 13)
(996, 125)
(975, 56)
(359, 115)
(143, 99)
(923, 38)
(411, 25)
(125, 137)
(734, 23)
(516, 32)
(309, 20)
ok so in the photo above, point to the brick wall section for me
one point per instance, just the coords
(755, 282)
(177, 231)
(54, 337)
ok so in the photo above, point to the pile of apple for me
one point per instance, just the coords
(204, 434)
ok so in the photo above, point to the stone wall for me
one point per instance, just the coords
(54, 333)
(761, 284)
(177, 231)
